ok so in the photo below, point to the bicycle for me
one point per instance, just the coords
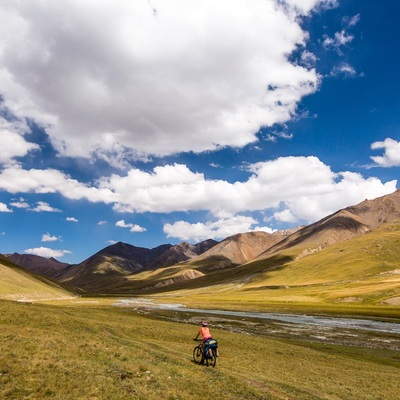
(207, 354)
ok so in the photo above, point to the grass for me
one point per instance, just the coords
(102, 352)
(19, 284)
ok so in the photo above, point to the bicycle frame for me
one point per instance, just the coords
(201, 348)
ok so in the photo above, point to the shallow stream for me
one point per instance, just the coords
(348, 331)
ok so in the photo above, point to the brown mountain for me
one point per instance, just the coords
(120, 260)
(181, 252)
(343, 225)
(115, 261)
(238, 249)
(49, 267)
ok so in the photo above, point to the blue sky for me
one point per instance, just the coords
(154, 122)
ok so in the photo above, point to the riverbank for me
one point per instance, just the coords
(331, 330)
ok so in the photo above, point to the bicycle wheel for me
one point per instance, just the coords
(197, 354)
(212, 357)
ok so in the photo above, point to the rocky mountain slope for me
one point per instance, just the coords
(119, 260)
(343, 225)
(238, 249)
(181, 252)
(49, 267)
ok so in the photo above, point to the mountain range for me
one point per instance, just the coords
(245, 257)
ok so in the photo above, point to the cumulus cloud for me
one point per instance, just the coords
(71, 219)
(42, 206)
(218, 229)
(13, 143)
(19, 203)
(288, 180)
(46, 252)
(127, 82)
(285, 216)
(15, 179)
(391, 155)
(46, 237)
(305, 186)
(132, 227)
(4, 208)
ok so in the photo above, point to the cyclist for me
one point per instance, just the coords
(204, 331)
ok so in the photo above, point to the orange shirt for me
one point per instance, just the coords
(205, 332)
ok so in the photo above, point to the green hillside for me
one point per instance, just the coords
(360, 273)
(18, 284)
(365, 269)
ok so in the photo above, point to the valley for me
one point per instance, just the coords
(112, 326)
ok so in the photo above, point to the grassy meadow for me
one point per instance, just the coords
(88, 349)
(18, 284)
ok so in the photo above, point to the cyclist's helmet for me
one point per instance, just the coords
(204, 323)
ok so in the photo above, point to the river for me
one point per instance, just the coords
(339, 330)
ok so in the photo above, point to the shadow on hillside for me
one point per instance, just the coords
(337, 225)
(266, 287)
(229, 275)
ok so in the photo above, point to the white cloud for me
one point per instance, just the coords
(15, 179)
(345, 70)
(218, 229)
(285, 216)
(210, 230)
(339, 40)
(391, 156)
(20, 203)
(101, 222)
(125, 81)
(305, 6)
(71, 219)
(13, 143)
(46, 237)
(308, 59)
(289, 180)
(132, 227)
(42, 206)
(4, 208)
(46, 252)
(305, 186)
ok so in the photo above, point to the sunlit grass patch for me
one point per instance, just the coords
(89, 352)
